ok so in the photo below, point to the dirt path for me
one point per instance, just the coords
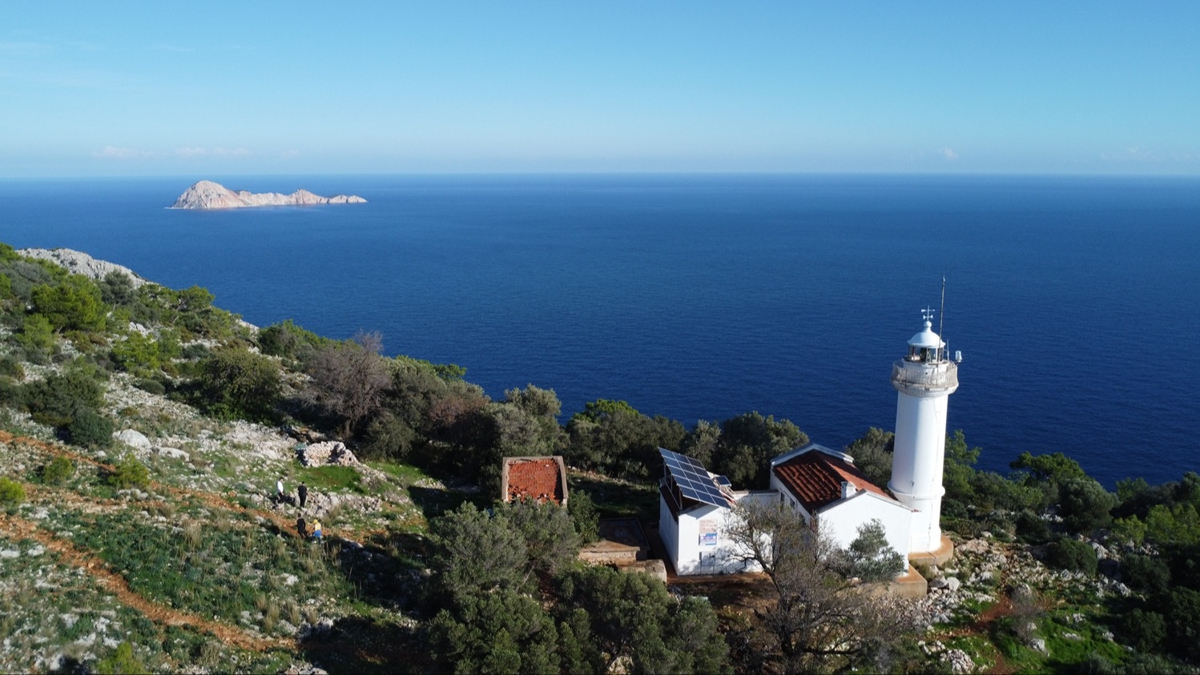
(983, 623)
(114, 583)
(207, 498)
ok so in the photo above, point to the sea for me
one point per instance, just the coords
(1074, 301)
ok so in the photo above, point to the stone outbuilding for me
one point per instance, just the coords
(541, 479)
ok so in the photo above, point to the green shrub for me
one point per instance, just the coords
(237, 383)
(11, 393)
(288, 340)
(11, 367)
(58, 399)
(1129, 530)
(11, 492)
(1183, 622)
(869, 556)
(90, 429)
(37, 334)
(196, 351)
(74, 304)
(136, 354)
(388, 437)
(1084, 504)
(584, 514)
(1144, 573)
(1144, 631)
(58, 471)
(1178, 524)
(1031, 529)
(128, 473)
(24, 275)
(121, 661)
(117, 289)
(151, 386)
(1072, 554)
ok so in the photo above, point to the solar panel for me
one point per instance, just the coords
(693, 479)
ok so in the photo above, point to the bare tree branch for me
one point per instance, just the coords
(351, 378)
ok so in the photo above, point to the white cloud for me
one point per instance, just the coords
(113, 152)
(190, 152)
(949, 154)
(24, 47)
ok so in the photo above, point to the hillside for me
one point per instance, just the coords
(143, 429)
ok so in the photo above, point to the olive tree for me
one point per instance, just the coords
(350, 379)
(817, 619)
(238, 383)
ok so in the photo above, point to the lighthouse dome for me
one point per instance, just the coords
(926, 338)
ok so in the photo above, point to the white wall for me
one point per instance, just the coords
(840, 520)
(917, 464)
(685, 548)
(668, 530)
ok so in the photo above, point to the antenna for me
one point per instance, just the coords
(942, 318)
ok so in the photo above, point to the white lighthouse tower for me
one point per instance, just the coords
(924, 378)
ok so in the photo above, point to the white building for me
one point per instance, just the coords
(824, 487)
(924, 380)
(695, 508)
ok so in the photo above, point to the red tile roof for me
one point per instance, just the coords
(816, 478)
(539, 479)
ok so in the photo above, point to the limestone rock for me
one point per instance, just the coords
(958, 660)
(654, 568)
(209, 195)
(134, 439)
(322, 454)
(174, 453)
(82, 263)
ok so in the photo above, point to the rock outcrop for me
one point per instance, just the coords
(209, 195)
(327, 453)
(82, 263)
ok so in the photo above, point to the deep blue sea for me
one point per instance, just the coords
(1075, 301)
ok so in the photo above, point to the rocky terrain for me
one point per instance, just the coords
(206, 195)
(82, 263)
(199, 566)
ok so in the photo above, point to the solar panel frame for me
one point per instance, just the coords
(693, 479)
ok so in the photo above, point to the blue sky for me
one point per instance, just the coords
(155, 88)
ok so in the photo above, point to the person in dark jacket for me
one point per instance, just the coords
(303, 490)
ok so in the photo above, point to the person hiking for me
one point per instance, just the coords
(317, 534)
(303, 490)
(279, 490)
(302, 527)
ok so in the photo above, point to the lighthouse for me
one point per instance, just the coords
(924, 380)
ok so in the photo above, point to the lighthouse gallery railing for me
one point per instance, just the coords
(943, 374)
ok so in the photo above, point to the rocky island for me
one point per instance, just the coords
(209, 195)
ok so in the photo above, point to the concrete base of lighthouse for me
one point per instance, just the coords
(939, 556)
